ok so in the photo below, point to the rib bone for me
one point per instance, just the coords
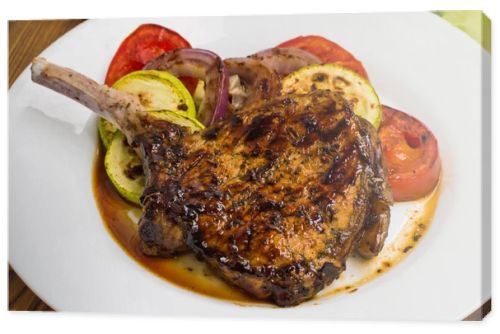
(122, 109)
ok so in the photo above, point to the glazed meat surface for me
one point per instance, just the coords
(274, 198)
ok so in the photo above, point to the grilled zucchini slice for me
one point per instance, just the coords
(356, 89)
(124, 168)
(156, 90)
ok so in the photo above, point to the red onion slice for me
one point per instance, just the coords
(259, 82)
(286, 60)
(204, 65)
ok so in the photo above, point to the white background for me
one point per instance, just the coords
(85, 323)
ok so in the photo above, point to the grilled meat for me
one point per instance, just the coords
(274, 198)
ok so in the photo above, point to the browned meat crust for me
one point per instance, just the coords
(274, 199)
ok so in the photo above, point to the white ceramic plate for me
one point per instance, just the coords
(417, 62)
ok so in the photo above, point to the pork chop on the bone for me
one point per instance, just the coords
(274, 198)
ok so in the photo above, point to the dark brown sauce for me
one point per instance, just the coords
(189, 273)
(184, 271)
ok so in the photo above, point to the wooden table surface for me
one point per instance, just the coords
(26, 40)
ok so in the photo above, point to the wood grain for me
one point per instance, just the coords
(27, 39)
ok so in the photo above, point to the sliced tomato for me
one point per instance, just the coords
(146, 42)
(410, 153)
(327, 51)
